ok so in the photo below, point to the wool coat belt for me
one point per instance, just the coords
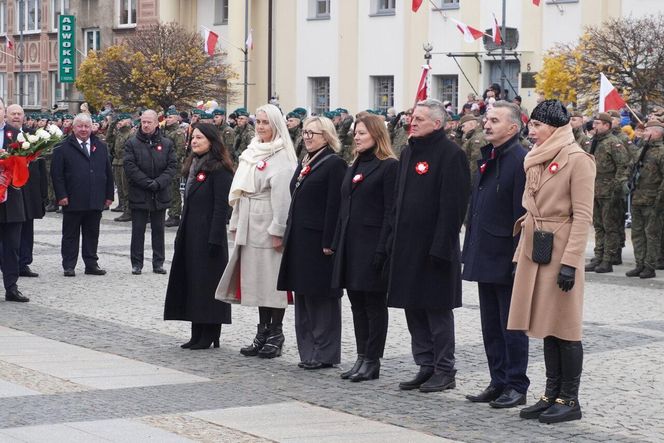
(529, 222)
(241, 234)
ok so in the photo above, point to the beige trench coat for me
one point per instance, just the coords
(564, 200)
(254, 263)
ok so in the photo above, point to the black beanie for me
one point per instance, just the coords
(551, 112)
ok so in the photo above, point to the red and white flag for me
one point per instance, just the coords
(497, 38)
(422, 88)
(209, 41)
(536, 2)
(470, 34)
(249, 44)
(10, 44)
(608, 96)
(416, 5)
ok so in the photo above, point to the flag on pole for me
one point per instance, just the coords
(10, 44)
(608, 96)
(470, 34)
(209, 41)
(536, 2)
(249, 44)
(416, 5)
(497, 39)
(422, 88)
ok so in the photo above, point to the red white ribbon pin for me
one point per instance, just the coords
(422, 168)
(159, 148)
(305, 171)
(553, 167)
(358, 178)
(201, 176)
(261, 165)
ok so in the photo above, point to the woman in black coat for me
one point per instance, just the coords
(201, 246)
(306, 266)
(367, 196)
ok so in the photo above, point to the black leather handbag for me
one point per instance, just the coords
(542, 247)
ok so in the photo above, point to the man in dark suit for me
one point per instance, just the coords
(433, 185)
(12, 215)
(488, 252)
(83, 184)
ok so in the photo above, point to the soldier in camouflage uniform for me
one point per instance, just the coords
(648, 203)
(473, 140)
(121, 134)
(576, 120)
(177, 135)
(227, 133)
(613, 164)
(244, 132)
(452, 129)
(401, 133)
(633, 152)
(345, 134)
(294, 125)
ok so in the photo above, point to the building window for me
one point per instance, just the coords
(384, 7)
(31, 97)
(383, 87)
(3, 86)
(447, 89)
(319, 9)
(59, 90)
(58, 8)
(220, 12)
(127, 13)
(320, 94)
(449, 4)
(92, 37)
(3, 17)
(28, 17)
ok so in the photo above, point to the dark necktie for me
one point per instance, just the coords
(84, 145)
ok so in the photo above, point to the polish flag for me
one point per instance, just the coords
(416, 5)
(209, 41)
(10, 44)
(536, 2)
(608, 96)
(470, 34)
(422, 88)
(497, 39)
(249, 44)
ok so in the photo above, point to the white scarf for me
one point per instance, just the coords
(244, 179)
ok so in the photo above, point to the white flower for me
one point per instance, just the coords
(33, 138)
(20, 137)
(51, 129)
(25, 145)
(58, 131)
(42, 134)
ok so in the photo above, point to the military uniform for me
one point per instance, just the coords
(400, 139)
(632, 150)
(581, 139)
(298, 141)
(120, 137)
(243, 136)
(646, 211)
(472, 145)
(613, 164)
(227, 135)
(178, 137)
(346, 138)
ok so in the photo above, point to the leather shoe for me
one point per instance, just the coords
(159, 270)
(439, 381)
(489, 394)
(70, 273)
(317, 365)
(15, 295)
(509, 399)
(27, 272)
(123, 218)
(118, 208)
(172, 222)
(302, 364)
(421, 377)
(136, 270)
(95, 270)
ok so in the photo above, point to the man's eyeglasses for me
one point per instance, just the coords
(308, 133)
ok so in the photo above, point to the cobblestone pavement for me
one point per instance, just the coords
(120, 314)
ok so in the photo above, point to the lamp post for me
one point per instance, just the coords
(21, 24)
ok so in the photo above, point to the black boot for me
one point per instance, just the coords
(195, 336)
(257, 344)
(552, 364)
(635, 272)
(370, 370)
(604, 267)
(210, 335)
(274, 343)
(566, 406)
(647, 272)
(355, 368)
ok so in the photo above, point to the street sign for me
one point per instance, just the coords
(67, 49)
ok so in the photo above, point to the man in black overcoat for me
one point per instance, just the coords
(432, 189)
(12, 215)
(83, 184)
(150, 165)
(488, 251)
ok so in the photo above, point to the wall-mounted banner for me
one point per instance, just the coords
(67, 49)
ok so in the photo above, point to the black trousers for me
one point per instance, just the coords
(318, 328)
(10, 240)
(27, 243)
(370, 320)
(506, 351)
(139, 220)
(77, 224)
(432, 338)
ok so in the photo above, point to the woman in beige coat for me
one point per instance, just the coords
(547, 299)
(260, 197)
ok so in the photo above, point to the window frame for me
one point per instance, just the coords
(54, 88)
(314, 88)
(313, 10)
(220, 9)
(25, 78)
(96, 31)
(37, 21)
(129, 23)
(375, 86)
(440, 89)
(3, 17)
(3, 86)
(378, 10)
(63, 10)
(453, 4)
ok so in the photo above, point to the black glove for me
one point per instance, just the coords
(214, 250)
(379, 261)
(566, 278)
(153, 186)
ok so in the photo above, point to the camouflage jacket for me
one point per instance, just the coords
(346, 138)
(298, 142)
(400, 139)
(581, 139)
(227, 136)
(243, 136)
(613, 164)
(119, 139)
(179, 139)
(651, 180)
(473, 141)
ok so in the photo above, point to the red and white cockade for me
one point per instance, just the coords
(358, 178)
(262, 164)
(422, 168)
(553, 167)
(201, 176)
(305, 171)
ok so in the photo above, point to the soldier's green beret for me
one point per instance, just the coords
(124, 116)
(172, 111)
(196, 111)
(68, 117)
(293, 114)
(241, 112)
(342, 110)
(329, 114)
(468, 118)
(206, 116)
(219, 111)
(303, 112)
(44, 116)
(456, 117)
(137, 122)
(604, 117)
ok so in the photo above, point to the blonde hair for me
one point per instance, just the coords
(376, 128)
(327, 128)
(279, 129)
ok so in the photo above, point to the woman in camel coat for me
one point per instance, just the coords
(547, 299)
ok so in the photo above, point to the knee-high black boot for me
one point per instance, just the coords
(552, 364)
(209, 336)
(195, 335)
(566, 407)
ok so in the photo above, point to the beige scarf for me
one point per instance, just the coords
(540, 155)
